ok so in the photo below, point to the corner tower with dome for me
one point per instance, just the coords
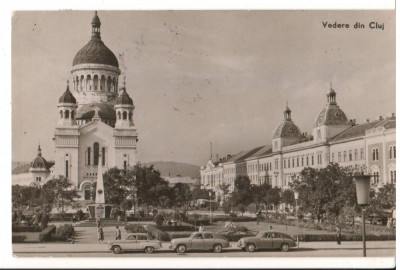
(95, 125)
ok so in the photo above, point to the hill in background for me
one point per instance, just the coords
(173, 169)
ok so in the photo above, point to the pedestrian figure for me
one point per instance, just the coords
(101, 233)
(338, 234)
(117, 233)
(98, 220)
(201, 228)
(258, 216)
(98, 235)
(270, 227)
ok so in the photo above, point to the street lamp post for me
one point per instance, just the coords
(209, 193)
(362, 191)
(296, 197)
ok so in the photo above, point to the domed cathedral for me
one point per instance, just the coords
(330, 121)
(95, 119)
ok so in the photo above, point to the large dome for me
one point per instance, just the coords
(95, 52)
(124, 99)
(39, 162)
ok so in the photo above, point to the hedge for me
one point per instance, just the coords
(234, 237)
(46, 234)
(157, 234)
(26, 229)
(18, 238)
(204, 222)
(178, 228)
(344, 237)
(174, 235)
(132, 218)
(134, 228)
(63, 232)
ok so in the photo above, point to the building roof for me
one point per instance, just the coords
(123, 98)
(67, 97)
(95, 51)
(87, 111)
(359, 130)
(331, 114)
(264, 150)
(286, 129)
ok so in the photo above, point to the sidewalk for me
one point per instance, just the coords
(102, 247)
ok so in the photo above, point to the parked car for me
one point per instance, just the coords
(267, 240)
(199, 241)
(134, 241)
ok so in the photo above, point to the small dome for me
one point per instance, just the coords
(331, 115)
(124, 99)
(39, 162)
(67, 97)
(287, 129)
(96, 20)
(87, 111)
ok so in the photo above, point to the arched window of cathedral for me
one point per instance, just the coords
(113, 85)
(103, 83)
(109, 84)
(130, 116)
(77, 83)
(124, 115)
(96, 153)
(61, 114)
(66, 114)
(72, 115)
(119, 115)
(96, 82)
(81, 82)
(89, 82)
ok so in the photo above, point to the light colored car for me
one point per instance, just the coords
(134, 241)
(267, 240)
(199, 241)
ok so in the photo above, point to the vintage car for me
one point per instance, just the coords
(134, 241)
(267, 240)
(199, 241)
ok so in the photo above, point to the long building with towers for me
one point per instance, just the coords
(95, 122)
(368, 146)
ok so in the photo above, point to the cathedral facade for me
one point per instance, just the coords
(95, 117)
(95, 122)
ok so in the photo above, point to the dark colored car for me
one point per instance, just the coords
(267, 240)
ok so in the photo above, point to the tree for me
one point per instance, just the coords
(224, 187)
(272, 196)
(64, 193)
(198, 193)
(241, 196)
(180, 194)
(325, 191)
(288, 197)
(386, 196)
(258, 194)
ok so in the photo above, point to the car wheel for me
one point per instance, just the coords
(116, 249)
(284, 247)
(181, 249)
(250, 247)
(217, 248)
(149, 249)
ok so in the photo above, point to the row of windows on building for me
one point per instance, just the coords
(392, 153)
(338, 157)
(65, 114)
(82, 83)
(124, 115)
(301, 161)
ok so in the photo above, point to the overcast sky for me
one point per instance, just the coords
(200, 77)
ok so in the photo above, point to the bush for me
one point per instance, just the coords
(158, 234)
(46, 234)
(18, 238)
(174, 235)
(63, 232)
(234, 237)
(134, 228)
(159, 219)
(26, 229)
